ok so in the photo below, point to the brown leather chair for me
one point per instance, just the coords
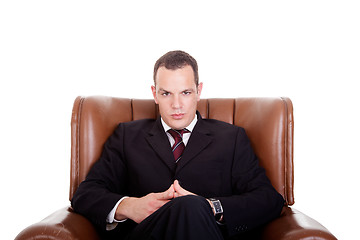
(269, 124)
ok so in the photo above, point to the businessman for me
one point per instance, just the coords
(178, 176)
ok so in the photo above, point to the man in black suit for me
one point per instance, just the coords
(147, 186)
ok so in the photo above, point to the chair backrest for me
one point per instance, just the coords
(268, 122)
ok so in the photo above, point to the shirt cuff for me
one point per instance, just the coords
(111, 221)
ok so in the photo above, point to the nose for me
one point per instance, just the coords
(176, 103)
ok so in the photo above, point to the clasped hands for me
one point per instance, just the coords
(137, 209)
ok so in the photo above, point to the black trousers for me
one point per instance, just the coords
(188, 217)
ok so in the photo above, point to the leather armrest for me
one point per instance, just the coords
(293, 224)
(63, 224)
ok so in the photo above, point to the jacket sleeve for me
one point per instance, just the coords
(105, 184)
(254, 201)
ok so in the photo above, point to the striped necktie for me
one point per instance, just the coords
(179, 146)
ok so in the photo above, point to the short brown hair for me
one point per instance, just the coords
(177, 59)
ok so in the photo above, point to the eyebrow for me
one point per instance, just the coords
(162, 90)
(189, 90)
(185, 90)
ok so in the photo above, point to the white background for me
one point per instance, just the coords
(53, 51)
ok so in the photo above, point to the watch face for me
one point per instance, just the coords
(217, 206)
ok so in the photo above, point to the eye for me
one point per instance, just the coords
(165, 94)
(186, 92)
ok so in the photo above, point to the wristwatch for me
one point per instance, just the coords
(217, 209)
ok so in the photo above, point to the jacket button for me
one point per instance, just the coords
(241, 228)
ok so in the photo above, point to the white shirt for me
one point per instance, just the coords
(112, 222)
(186, 136)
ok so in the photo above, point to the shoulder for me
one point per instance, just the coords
(136, 125)
(220, 127)
(219, 124)
(133, 130)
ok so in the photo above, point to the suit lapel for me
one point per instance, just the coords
(200, 138)
(159, 142)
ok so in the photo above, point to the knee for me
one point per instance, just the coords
(192, 203)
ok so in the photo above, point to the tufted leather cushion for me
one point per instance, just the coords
(267, 121)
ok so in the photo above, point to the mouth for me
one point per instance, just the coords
(177, 116)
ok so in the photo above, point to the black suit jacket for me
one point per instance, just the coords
(218, 162)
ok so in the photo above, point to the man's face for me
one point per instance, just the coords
(177, 96)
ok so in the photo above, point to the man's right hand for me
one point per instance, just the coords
(137, 209)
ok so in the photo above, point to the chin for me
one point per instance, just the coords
(177, 124)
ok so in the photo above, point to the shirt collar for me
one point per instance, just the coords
(190, 127)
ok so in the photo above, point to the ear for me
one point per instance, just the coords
(199, 89)
(153, 89)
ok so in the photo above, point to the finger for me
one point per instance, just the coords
(178, 188)
(167, 195)
(176, 194)
(179, 191)
(177, 185)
